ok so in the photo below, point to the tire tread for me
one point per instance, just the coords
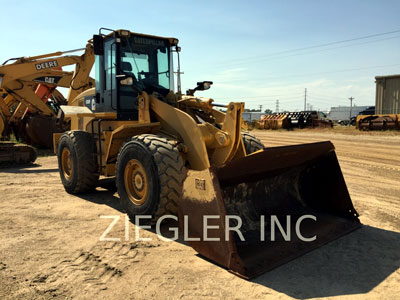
(170, 167)
(251, 143)
(87, 170)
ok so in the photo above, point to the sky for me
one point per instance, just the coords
(256, 52)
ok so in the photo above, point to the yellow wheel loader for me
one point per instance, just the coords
(177, 154)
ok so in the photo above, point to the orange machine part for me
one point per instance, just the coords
(44, 91)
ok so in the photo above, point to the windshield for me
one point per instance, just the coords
(147, 60)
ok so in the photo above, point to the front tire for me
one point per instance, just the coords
(149, 175)
(77, 161)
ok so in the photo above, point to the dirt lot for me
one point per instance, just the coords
(50, 246)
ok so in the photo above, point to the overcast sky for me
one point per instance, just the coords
(253, 51)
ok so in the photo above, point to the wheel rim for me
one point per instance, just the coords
(66, 163)
(136, 183)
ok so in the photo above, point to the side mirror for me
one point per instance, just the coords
(204, 85)
(98, 45)
(201, 86)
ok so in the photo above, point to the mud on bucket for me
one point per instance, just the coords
(268, 208)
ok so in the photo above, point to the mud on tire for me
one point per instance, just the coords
(83, 175)
(165, 171)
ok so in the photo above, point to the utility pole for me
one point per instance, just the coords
(305, 99)
(351, 105)
(277, 106)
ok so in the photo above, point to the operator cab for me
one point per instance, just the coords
(126, 64)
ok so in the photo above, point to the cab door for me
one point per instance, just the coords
(110, 61)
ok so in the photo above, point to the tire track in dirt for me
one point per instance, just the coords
(90, 271)
(362, 163)
(383, 155)
(352, 140)
(378, 147)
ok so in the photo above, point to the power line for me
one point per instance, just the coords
(258, 57)
(338, 99)
(260, 96)
(271, 100)
(327, 97)
(233, 64)
(264, 102)
(323, 73)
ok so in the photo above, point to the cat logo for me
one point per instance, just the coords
(48, 79)
(46, 65)
(200, 184)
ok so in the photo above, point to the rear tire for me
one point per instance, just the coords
(77, 162)
(251, 143)
(150, 173)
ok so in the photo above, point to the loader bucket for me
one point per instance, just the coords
(300, 187)
(39, 130)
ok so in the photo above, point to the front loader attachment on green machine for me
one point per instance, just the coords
(287, 200)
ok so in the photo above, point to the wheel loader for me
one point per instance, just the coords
(177, 154)
(29, 100)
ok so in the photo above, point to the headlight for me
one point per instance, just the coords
(124, 33)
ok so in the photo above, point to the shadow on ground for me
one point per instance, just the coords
(104, 195)
(353, 264)
(27, 170)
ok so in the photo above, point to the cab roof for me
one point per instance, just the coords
(123, 32)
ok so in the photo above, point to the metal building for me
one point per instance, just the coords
(387, 99)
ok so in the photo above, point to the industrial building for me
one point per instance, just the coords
(387, 99)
